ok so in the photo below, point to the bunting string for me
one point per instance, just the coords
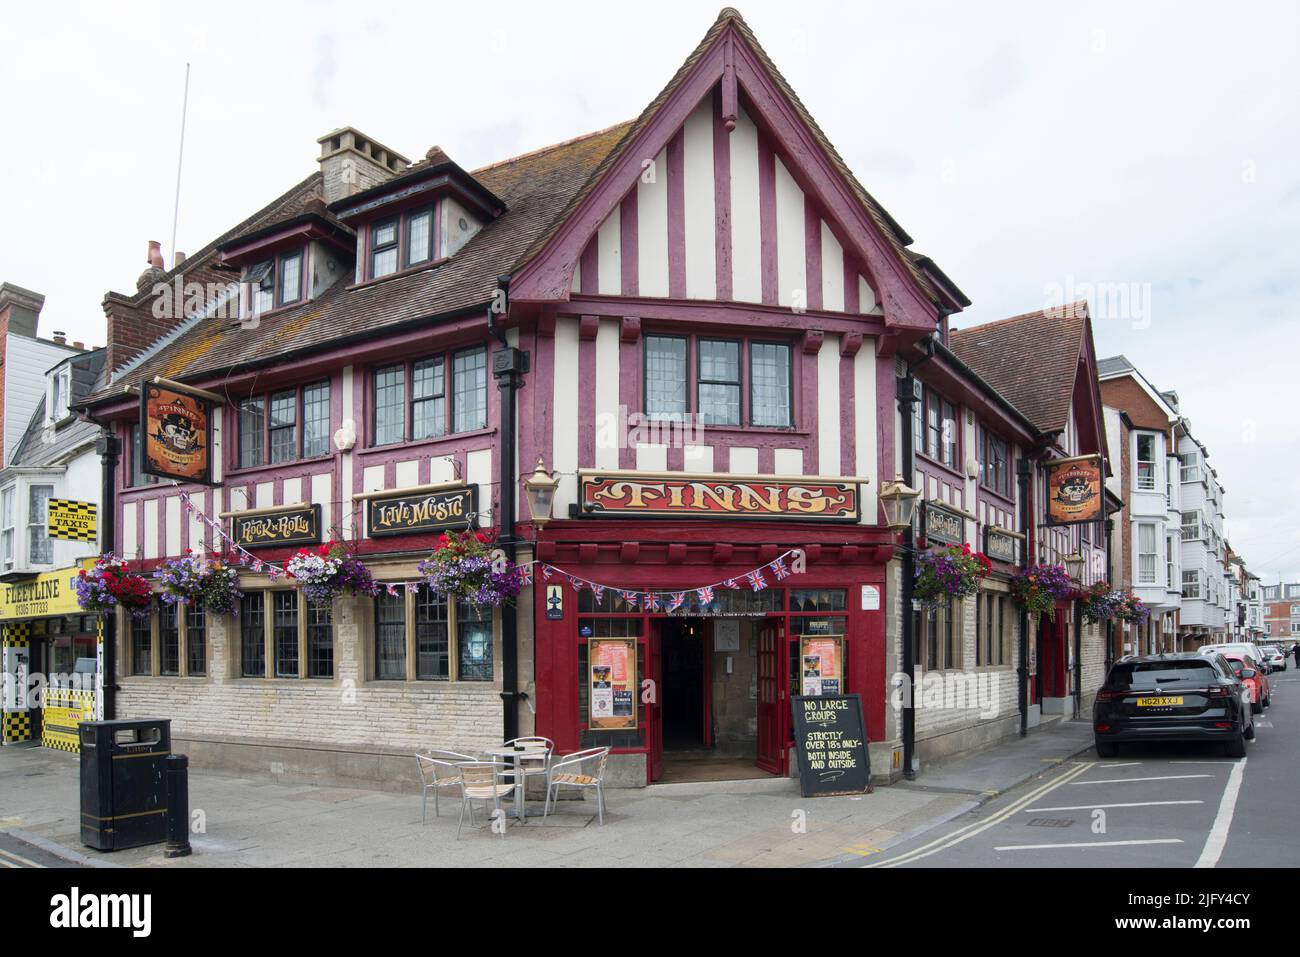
(672, 600)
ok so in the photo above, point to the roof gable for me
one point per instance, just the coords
(730, 62)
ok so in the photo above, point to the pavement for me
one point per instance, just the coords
(247, 822)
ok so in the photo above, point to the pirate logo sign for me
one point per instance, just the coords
(175, 426)
(1075, 491)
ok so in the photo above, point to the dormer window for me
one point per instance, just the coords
(401, 242)
(59, 396)
(274, 283)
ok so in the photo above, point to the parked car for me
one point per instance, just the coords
(1276, 657)
(1255, 680)
(1188, 696)
(1239, 648)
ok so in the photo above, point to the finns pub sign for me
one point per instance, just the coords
(631, 495)
(177, 434)
(1074, 494)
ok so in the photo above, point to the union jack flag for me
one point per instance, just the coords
(779, 569)
(731, 583)
(675, 600)
(257, 564)
(526, 574)
(630, 597)
(598, 593)
(575, 583)
(392, 591)
(756, 580)
(705, 594)
(546, 572)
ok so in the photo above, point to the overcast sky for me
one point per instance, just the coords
(1032, 149)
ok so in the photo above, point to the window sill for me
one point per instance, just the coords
(408, 271)
(741, 431)
(450, 437)
(948, 469)
(259, 469)
(422, 684)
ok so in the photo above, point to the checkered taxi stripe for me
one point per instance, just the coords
(16, 726)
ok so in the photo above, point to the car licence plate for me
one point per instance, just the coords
(1159, 702)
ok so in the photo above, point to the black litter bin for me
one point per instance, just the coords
(124, 782)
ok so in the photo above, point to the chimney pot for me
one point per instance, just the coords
(180, 258)
(78, 345)
(60, 337)
(155, 254)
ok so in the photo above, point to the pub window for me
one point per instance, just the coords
(718, 391)
(938, 636)
(430, 414)
(278, 438)
(420, 633)
(252, 638)
(383, 248)
(718, 381)
(419, 237)
(141, 646)
(137, 475)
(940, 429)
(196, 648)
(401, 242)
(993, 467)
(274, 282)
(169, 640)
(294, 634)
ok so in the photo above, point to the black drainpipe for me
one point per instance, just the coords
(109, 449)
(508, 365)
(1110, 624)
(1024, 470)
(1078, 658)
(906, 398)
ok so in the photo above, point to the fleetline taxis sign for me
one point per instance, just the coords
(299, 526)
(49, 593)
(719, 496)
(177, 430)
(1074, 491)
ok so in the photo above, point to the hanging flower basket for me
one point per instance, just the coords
(181, 579)
(461, 568)
(221, 592)
(1133, 609)
(1039, 587)
(1101, 602)
(111, 583)
(328, 571)
(948, 573)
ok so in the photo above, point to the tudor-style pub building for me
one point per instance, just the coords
(694, 326)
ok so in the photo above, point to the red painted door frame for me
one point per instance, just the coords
(706, 639)
(654, 712)
(772, 684)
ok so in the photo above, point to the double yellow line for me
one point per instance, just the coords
(978, 827)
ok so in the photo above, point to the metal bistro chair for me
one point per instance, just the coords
(438, 769)
(569, 772)
(481, 781)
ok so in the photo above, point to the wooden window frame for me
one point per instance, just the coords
(299, 426)
(411, 674)
(182, 642)
(268, 640)
(448, 357)
(745, 347)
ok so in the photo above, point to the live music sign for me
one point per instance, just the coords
(636, 494)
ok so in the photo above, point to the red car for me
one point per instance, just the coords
(1254, 678)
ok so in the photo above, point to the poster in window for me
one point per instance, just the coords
(822, 662)
(1074, 491)
(613, 683)
(177, 432)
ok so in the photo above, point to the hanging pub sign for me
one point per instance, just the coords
(612, 666)
(1074, 491)
(421, 510)
(299, 525)
(177, 434)
(634, 494)
(1001, 545)
(830, 741)
(72, 521)
(942, 524)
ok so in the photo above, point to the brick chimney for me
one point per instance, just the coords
(351, 162)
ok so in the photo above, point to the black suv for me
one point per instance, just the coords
(1179, 697)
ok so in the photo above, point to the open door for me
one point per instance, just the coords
(654, 709)
(772, 702)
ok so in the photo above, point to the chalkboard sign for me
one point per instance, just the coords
(831, 742)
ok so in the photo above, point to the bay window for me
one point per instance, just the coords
(716, 389)
(8, 497)
(297, 427)
(1146, 462)
(40, 547)
(421, 410)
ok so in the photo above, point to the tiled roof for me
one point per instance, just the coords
(1031, 359)
(534, 187)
